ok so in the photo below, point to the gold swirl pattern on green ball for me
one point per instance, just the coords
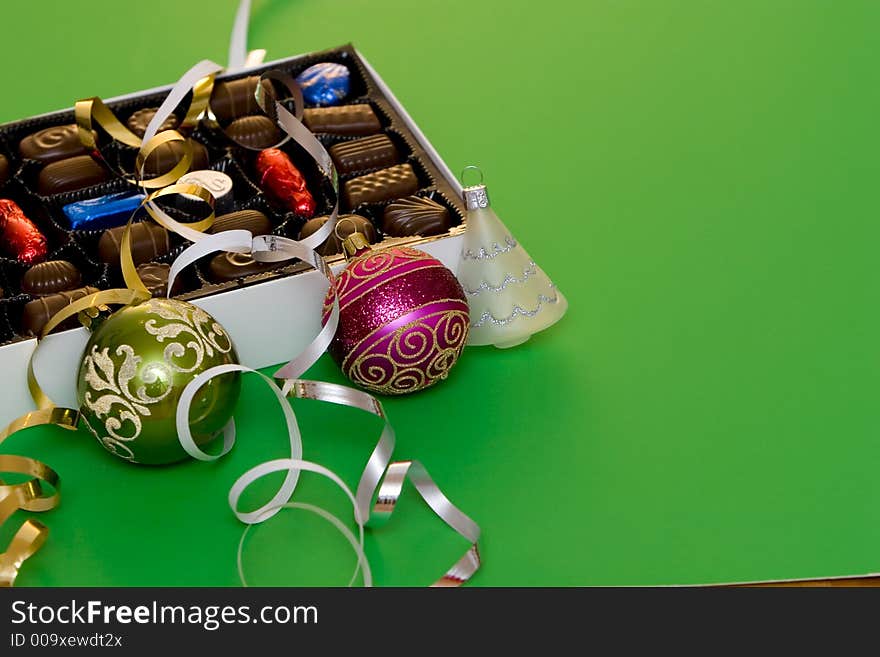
(126, 385)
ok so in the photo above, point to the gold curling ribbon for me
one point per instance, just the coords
(28, 495)
(91, 111)
(27, 540)
(200, 99)
(175, 172)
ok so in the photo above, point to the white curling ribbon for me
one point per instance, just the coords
(178, 92)
(234, 241)
(381, 479)
(297, 466)
(239, 55)
(185, 438)
(363, 564)
(292, 467)
(271, 248)
(238, 38)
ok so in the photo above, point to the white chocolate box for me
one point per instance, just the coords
(289, 307)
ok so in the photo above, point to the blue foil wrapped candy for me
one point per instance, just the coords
(103, 212)
(324, 83)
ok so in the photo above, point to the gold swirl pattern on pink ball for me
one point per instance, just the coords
(362, 274)
(413, 356)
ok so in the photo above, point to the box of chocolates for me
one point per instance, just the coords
(63, 210)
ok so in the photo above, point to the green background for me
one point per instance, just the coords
(700, 180)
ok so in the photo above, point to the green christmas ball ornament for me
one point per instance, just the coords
(134, 369)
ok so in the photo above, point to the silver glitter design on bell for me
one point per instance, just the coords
(496, 250)
(517, 311)
(476, 197)
(530, 270)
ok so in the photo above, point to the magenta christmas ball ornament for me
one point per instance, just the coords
(403, 318)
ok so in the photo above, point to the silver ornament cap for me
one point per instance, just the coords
(476, 197)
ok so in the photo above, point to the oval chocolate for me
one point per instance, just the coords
(50, 277)
(254, 131)
(229, 100)
(253, 220)
(415, 215)
(52, 144)
(71, 174)
(229, 266)
(166, 156)
(4, 169)
(148, 241)
(39, 311)
(154, 275)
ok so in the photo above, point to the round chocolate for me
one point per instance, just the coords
(216, 182)
(253, 220)
(154, 276)
(139, 121)
(50, 277)
(346, 224)
(254, 131)
(325, 83)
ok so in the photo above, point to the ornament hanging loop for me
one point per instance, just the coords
(353, 243)
(342, 220)
(470, 167)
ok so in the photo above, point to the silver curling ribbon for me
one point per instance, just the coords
(382, 481)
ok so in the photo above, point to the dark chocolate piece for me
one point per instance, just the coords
(52, 144)
(148, 241)
(4, 169)
(254, 131)
(139, 121)
(229, 266)
(50, 277)
(345, 226)
(163, 159)
(253, 220)
(361, 154)
(229, 100)
(154, 276)
(103, 212)
(39, 311)
(415, 215)
(382, 185)
(355, 120)
(70, 175)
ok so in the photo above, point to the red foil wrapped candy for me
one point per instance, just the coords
(19, 237)
(283, 181)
